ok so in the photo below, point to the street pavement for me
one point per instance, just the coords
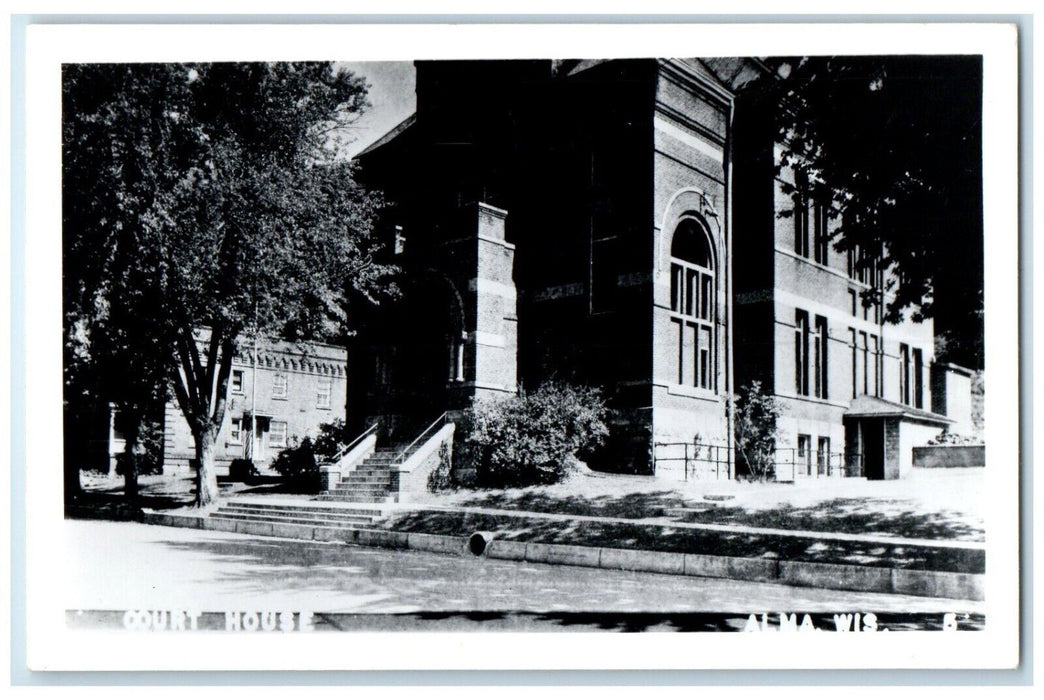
(120, 566)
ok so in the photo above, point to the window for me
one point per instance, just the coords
(801, 353)
(693, 306)
(853, 301)
(804, 455)
(823, 456)
(801, 226)
(863, 347)
(820, 372)
(801, 213)
(875, 355)
(904, 373)
(235, 431)
(861, 267)
(237, 381)
(855, 362)
(277, 434)
(918, 378)
(820, 236)
(323, 392)
(280, 385)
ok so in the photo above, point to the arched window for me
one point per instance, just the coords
(693, 305)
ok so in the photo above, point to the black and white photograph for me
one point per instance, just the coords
(480, 347)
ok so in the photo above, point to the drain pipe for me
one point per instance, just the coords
(479, 542)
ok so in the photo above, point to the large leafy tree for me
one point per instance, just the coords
(202, 202)
(895, 143)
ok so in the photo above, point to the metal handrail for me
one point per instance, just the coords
(401, 456)
(351, 445)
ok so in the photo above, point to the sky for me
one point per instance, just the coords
(392, 99)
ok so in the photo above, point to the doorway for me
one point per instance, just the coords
(872, 441)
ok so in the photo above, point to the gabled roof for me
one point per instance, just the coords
(395, 131)
(872, 407)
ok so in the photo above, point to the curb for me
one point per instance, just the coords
(845, 577)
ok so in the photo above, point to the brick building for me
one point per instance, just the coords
(810, 326)
(290, 390)
(616, 223)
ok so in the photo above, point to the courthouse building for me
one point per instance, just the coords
(617, 224)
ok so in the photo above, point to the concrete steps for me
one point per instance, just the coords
(304, 514)
(370, 482)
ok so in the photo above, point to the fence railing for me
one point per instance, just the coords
(699, 461)
(435, 426)
(703, 461)
(351, 445)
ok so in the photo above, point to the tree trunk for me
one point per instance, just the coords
(206, 470)
(131, 435)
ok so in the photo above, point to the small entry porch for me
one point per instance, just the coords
(885, 433)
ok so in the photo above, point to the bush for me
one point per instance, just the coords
(441, 477)
(755, 428)
(532, 438)
(954, 439)
(299, 463)
(242, 469)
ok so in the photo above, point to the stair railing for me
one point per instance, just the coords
(430, 430)
(351, 445)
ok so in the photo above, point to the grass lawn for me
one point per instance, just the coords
(645, 535)
(943, 504)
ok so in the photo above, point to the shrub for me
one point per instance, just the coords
(441, 477)
(755, 428)
(954, 439)
(299, 463)
(532, 438)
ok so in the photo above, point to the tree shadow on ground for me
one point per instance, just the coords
(851, 515)
(665, 538)
(641, 504)
(846, 515)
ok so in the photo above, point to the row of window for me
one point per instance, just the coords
(276, 432)
(811, 354)
(281, 387)
(812, 240)
(809, 462)
(867, 355)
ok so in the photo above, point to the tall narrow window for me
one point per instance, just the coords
(804, 455)
(918, 378)
(855, 362)
(875, 354)
(801, 214)
(821, 371)
(864, 349)
(801, 227)
(694, 306)
(821, 238)
(801, 341)
(823, 456)
(904, 373)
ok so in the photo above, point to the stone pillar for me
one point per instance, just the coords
(480, 262)
(491, 351)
